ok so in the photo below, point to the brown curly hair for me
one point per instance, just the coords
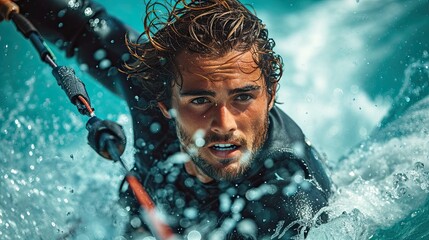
(207, 27)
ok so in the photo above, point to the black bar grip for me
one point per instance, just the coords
(29, 31)
(107, 138)
(23, 25)
(72, 86)
(40, 46)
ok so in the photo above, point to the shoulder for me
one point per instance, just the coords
(283, 128)
(290, 193)
(288, 156)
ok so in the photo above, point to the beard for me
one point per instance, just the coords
(225, 172)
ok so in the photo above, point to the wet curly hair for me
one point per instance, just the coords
(206, 27)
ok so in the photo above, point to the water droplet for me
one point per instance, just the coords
(402, 177)
(199, 142)
(74, 4)
(269, 163)
(17, 123)
(178, 158)
(238, 205)
(194, 235)
(199, 138)
(172, 112)
(419, 166)
(225, 202)
(298, 149)
(140, 143)
(100, 54)
(155, 127)
(59, 43)
(247, 227)
(88, 11)
(135, 222)
(290, 190)
(402, 191)
(298, 178)
(83, 67)
(125, 57)
(105, 63)
(62, 13)
(190, 213)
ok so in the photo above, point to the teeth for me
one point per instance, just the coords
(224, 147)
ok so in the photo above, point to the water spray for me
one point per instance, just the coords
(106, 137)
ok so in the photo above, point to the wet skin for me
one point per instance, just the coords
(226, 99)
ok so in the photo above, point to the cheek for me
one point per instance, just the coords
(256, 121)
(258, 111)
(190, 120)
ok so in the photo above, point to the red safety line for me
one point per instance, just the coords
(88, 107)
(162, 230)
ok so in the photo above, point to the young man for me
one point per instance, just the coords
(213, 150)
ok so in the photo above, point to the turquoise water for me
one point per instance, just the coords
(345, 63)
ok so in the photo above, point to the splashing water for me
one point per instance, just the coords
(386, 178)
(336, 54)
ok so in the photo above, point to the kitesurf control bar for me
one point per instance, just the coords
(107, 138)
(74, 88)
(66, 78)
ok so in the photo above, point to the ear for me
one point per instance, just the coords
(273, 96)
(164, 110)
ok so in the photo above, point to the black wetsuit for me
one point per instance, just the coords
(287, 182)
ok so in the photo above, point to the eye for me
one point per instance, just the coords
(200, 100)
(244, 97)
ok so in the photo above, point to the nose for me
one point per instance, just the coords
(223, 120)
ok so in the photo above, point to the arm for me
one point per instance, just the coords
(84, 29)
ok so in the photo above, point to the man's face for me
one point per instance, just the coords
(221, 112)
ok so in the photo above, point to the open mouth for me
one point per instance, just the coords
(225, 150)
(224, 147)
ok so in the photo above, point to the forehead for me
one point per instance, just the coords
(232, 67)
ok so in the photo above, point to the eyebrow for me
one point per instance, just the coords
(244, 89)
(201, 92)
